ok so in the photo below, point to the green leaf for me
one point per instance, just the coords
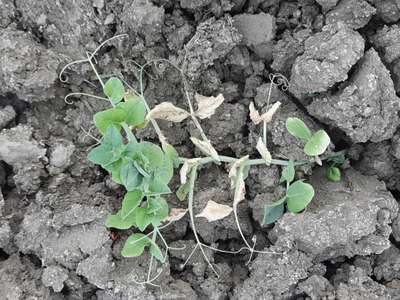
(318, 143)
(114, 90)
(135, 110)
(299, 195)
(110, 117)
(130, 177)
(158, 208)
(142, 218)
(131, 201)
(166, 171)
(298, 128)
(113, 137)
(135, 244)
(158, 187)
(338, 158)
(156, 252)
(110, 150)
(274, 211)
(153, 153)
(100, 155)
(183, 191)
(288, 172)
(173, 155)
(333, 174)
(116, 221)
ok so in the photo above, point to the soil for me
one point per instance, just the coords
(342, 62)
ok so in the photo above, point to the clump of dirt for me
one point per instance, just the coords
(342, 62)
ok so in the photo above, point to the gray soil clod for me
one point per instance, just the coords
(342, 61)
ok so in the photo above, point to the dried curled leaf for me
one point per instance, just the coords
(176, 214)
(265, 117)
(187, 165)
(215, 211)
(206, 148)
(254, 114)
(240, 190)
(207, 105)
(234, 168)
(168, 111)
(265, 154)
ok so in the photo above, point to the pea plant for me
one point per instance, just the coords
(145, 169)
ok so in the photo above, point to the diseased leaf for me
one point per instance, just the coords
(267, 116)
(255, 116)
(135, 244)
(214, 211)
(288, 173)
(299, 195)
(114, 90)
(176, 214)
(333, 173)
(233, 171)
(317, 144)
(262, 149)
(183, 191)
(185, 169)
(205, 147)
(240, 190)
(298, 128)
(207, 105)
(116, 221)
(168, 111)
(273, 211)
(131, 201)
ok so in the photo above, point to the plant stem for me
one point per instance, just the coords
(131, 138)
(192, 179)
(153, 238)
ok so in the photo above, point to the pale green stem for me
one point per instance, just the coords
(192, 179)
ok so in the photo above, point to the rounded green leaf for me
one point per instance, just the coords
(135, 110)
(130, 177)
(114, 90)
(142, 218)
(135, 244)
(113, 137)
(165, 173)
(298, 128)
(318, 143)
(333, 174)
(272, 212)
(153, 153)
(100, 155)
(299, 195)
(106, 118)
(131, 201)
(172, 154)
(157, 187)
(116, 221)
